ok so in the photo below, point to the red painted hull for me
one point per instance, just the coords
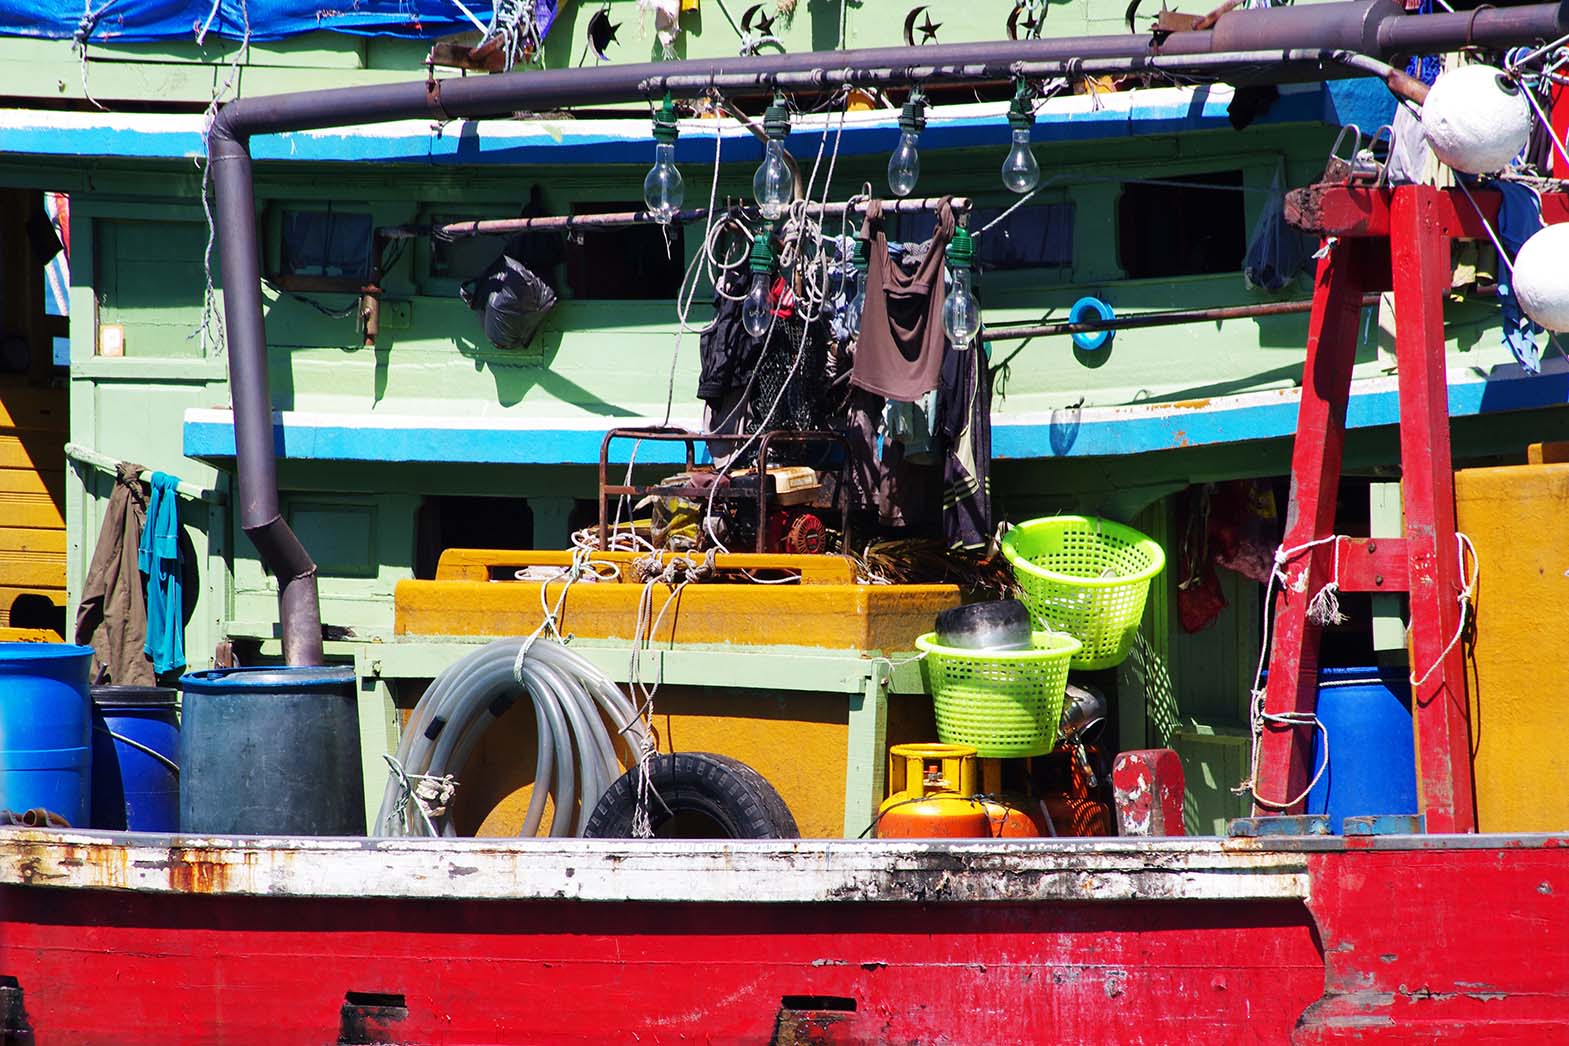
(1421, 944)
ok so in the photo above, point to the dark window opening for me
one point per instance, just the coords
(624, 262)
(448, 521)
(34, 283)
(1039, 237)
(1185, 226)
(332, 244)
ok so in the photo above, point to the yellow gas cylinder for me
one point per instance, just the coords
(932, 788)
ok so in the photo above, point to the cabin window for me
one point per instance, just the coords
(624, 262)
(1032, 237)
(331, 243)
(1182, 226)
(453, 521)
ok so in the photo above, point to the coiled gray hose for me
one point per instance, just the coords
(571, 698)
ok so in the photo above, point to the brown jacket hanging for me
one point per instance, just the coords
(899, 352)
(112, 616)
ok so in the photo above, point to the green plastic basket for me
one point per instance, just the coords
(1086, 577)
(1003, 703)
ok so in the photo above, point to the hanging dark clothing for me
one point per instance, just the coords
(899, 352)
(728, 354)
(112, 616)
(964, 430)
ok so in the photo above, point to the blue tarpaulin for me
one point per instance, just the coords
(146, 21)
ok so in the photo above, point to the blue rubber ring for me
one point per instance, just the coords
(1091, 341)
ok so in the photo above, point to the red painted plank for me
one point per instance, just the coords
(1442, 946)
(1342, 210)
(1373, 565)
(1421, 264)
(138, 970)
(1285, 751)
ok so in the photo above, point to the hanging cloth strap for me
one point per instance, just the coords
(899, 354)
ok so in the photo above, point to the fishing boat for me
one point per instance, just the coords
(376, 495)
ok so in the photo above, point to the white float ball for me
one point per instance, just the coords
(1476, 119)
(1542, 277)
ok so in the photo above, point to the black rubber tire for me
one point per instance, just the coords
(734, 796)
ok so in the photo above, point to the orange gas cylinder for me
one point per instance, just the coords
(1009, 815)
(1013, 817)
(933, 790)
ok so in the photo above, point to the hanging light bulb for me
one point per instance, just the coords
(755, 311)
(961, 316)
(1020, 172)
(773, 186)
(855, 300)
(663, 190)
(904, 166)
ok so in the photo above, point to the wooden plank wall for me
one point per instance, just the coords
(33, 428)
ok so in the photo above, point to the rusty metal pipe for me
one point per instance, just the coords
(38, 817)
(1165, 318)
(611, 219)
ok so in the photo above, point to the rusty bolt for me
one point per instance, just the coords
(1378, 579)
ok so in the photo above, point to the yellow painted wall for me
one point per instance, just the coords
(796, 740)
(32, 494)
(1519, 667)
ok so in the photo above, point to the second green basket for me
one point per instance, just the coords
(1087, 577)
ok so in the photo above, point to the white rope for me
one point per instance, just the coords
(1259, 716)
(1463, 542)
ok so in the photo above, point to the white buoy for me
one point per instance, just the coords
(1476, 119)
(1542, 277)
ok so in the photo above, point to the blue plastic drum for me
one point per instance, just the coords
(46, 729)
(1372, 757)
(136, 747)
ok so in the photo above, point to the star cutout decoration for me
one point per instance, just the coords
(765, 25)
(928, 30)
(601, 33)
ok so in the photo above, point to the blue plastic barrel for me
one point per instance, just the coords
(271, 751)
(1372, 755)
(136, 748)
(46, 729)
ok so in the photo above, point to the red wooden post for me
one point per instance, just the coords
(1147, 786)
(1285, 752)
(1419, 246)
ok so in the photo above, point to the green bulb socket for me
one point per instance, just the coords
(776, 120)
(1021, 114)
(912, 118)
(961, 249)
(666, 130)
(762, 260)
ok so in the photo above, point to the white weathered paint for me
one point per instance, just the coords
(764, 871)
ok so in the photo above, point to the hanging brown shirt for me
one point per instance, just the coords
(899, 352)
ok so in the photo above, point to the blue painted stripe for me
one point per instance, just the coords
(485, 143)
(1139, 435)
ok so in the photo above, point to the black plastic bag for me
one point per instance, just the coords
(515, 301)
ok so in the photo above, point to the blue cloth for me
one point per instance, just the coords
(158, 556)
(149, 21)
(1519, 218)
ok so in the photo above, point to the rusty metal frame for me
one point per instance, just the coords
(671, 434)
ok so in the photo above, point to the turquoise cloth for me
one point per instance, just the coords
(158, 556)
